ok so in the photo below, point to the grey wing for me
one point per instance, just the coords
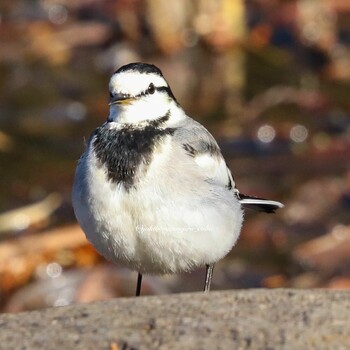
(198, 143)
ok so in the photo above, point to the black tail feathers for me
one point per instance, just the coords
(259, 204)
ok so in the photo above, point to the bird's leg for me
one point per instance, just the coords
(138, 287)
(208, 277)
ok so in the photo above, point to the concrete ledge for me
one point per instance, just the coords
(243, 319)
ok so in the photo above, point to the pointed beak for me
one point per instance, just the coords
(120, 99)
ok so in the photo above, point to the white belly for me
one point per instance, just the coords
(163, 226)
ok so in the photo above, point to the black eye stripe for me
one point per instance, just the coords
(163, 88)
(147, 92)
(160, 89)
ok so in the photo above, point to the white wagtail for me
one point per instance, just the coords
(152, 190)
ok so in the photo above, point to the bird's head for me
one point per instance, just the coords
(139, 92)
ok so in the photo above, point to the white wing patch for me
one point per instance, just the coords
(207, 162)
(214, 167)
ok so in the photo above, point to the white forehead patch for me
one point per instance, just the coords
(133, 83)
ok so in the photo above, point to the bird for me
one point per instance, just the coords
(152, 190)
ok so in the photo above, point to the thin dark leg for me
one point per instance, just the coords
(208, 277)
(138, 287)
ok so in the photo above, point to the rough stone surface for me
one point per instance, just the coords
(244, 319)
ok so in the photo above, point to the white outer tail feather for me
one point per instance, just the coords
(262, 201)
(260, 204)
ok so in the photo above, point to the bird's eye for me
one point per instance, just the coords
(151, 89)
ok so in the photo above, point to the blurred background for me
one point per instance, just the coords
(269, 78)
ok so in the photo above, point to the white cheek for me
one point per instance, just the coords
(151, 107)
(147, 108)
